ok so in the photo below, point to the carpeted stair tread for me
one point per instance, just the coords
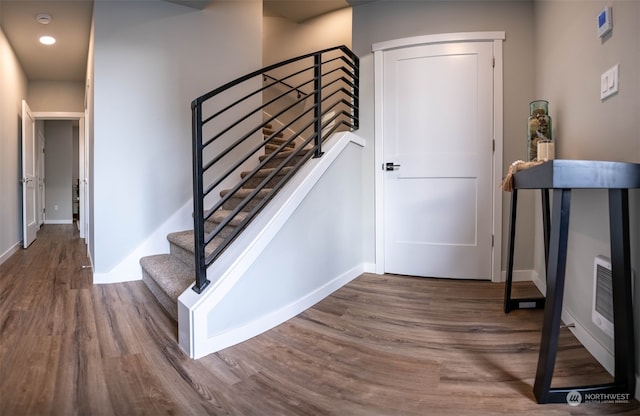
(221, 214)
(268, 131)
(244, 192)
(280, 140)
(281, 155)
(167, 277)
(264, 172)
(182, 246)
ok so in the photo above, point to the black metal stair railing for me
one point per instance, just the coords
(303, 100)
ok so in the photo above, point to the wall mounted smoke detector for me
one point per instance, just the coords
(43, 18)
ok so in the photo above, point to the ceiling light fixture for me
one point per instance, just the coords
(43, 18)
(47, 40)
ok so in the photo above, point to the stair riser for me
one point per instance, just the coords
(276, 161)
(233, 202)
(209, 226)
(168, 304)
(255, 181)
(268, 132)
(272, 147)
(182, 254)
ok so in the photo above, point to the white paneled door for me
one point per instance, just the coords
(30, 222)
(438, 160)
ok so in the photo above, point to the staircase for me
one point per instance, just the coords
(169, 275)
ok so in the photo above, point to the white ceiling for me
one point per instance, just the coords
(301, 10)
(71, 25)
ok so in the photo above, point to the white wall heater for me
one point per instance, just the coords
(602, 309)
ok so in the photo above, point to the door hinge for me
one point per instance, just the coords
(494, 62)
(494, 145)
(492, 240)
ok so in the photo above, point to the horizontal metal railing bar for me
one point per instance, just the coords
(261, 107)
(349, 63)
(242, 79)
(338, 91)
(246, 136)
(291, 88)
(255, 110)
(253, 212)
(341, 79)
(335, 106)
(243, 182)
(221, 178)
(240, 207)
(265, 87)
(246, 179)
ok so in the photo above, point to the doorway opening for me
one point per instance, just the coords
(62, 195)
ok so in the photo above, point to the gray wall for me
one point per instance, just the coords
(387, 20)
(65, 96)
(150, 60)
(569, 60)
(59, 163)
(284, 39)
(13, 87)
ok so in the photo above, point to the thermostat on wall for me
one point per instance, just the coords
(604, 21)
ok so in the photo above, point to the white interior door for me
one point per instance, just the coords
(29, 177)
(82, 157)
(438, 129)
(41, 179)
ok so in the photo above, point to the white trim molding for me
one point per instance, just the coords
(498, 103)
(438, 38)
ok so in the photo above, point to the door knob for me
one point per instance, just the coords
(390, 166)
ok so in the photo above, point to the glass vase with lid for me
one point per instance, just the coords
(539, 127)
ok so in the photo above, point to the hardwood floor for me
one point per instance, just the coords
(381, 345)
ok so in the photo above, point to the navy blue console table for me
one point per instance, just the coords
(561, 176)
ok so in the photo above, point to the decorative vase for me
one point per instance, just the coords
(539, 127)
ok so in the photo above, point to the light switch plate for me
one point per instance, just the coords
(609, 82)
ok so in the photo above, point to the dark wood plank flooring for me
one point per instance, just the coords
(381, 345)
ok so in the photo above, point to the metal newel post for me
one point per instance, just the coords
(198, 196)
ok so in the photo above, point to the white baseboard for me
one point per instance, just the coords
(10, 252)
(369, 268)
(604, 356)
(69, 221)
(595, 348)
(242, 333)
(129, 269)
(519, 275)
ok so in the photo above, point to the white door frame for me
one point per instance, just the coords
(29, 173)
(378, 55)
(41, 170)
(83, 167)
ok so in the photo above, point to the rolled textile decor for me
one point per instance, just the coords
(518, 165)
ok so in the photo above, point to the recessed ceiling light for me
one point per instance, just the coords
(43, 18)
(47, 40)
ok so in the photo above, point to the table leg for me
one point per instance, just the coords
(621, 276)
(545, 223)
(512, 237)
(555, 292)
(511, 304)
